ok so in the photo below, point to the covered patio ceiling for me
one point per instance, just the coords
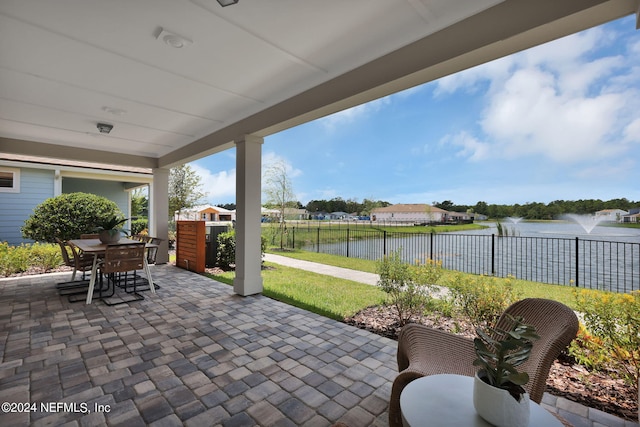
(254, 68)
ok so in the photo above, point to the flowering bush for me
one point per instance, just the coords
(18, 259)
(482, 299)
(614, 321)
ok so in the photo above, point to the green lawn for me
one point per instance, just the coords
(338, 298)
(329, 296)
(561, 293)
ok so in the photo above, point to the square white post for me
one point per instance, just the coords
(248, 280)
(159, 212)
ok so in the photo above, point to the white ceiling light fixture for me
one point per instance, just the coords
(173, 39)
(224, 3)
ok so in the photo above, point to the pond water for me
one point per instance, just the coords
(561, 229)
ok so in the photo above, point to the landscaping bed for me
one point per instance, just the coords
(599, 390)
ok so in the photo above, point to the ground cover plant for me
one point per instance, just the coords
(32, 258)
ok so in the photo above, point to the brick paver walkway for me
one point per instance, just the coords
(194, 355)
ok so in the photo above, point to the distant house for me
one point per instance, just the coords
(205, 213)
(295, 214)
(632, 216)
(339, 215)
(612, 215)
(27, 181)
(416, 213)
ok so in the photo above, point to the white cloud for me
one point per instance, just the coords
(469, 147)
(552, 100)
(218, 186)
(351, 115)
(271, 158)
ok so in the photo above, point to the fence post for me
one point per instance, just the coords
(347, 242)
(493, 254)
(318, 240)
(293, 239)
(577, 263)
(431, 246)
(384, 242)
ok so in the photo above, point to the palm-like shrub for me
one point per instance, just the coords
(67, 216)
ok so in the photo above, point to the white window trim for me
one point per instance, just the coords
(16, 180)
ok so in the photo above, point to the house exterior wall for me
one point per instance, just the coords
(409, 216)
(35, 187)
(112, 190)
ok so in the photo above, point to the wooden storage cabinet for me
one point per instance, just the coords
(190, 245)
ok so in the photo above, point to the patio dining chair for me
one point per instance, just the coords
(72, 258)
(120, 263)
(424, 351)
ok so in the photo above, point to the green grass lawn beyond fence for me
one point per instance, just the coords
(338, 298)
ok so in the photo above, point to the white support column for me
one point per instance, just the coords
(159, 212)
(248, 279)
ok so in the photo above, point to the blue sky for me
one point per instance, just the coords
(558, 121)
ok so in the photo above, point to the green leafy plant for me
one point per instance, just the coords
(482, 299)
(226, 252)
(408, 286)
(499, 351)
(40, 257)
(67, 216)
(111, 224)
(614, 319)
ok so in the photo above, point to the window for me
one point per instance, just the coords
(9, 180)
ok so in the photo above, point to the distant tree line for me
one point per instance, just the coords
(351, 206)
(536, 210)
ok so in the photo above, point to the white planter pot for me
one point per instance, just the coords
(498, 407)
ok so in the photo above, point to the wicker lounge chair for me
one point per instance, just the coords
(426, 351)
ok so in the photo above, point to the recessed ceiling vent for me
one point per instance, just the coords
(104, 127)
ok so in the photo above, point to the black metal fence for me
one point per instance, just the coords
(592, 264)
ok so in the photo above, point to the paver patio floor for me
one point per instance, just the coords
(196, 355)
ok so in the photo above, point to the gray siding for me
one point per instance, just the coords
(38, 185)
(35, 187)
(112, 190)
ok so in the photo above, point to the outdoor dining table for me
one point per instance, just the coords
(96, 248)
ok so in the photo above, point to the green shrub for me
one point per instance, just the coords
(139, 226)
(13, 259)
(18, 259)
(615, 320)
(481, 299)
(407, 286)
(67, 216)
(226, 253)
(588, 350)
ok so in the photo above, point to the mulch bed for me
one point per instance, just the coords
(599, 390)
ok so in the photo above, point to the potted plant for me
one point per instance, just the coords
(498, 395)
(110, 229)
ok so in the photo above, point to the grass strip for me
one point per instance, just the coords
(325, 295)
(561, 293)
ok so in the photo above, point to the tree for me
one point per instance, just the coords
(67, 216)
(139, 203)
(185, 189)
(279, 192)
